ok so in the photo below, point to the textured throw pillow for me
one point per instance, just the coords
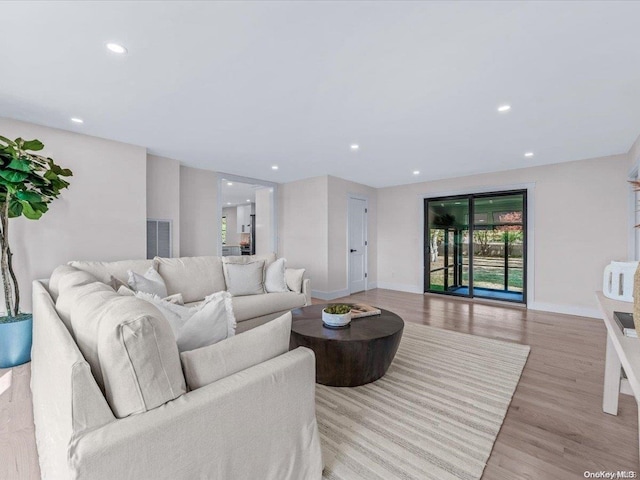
(196, 327)
(244, 279)
(116, 283)
(175, 298)
(294, 277)
(150, 282)
(176, 315)
(274, 277)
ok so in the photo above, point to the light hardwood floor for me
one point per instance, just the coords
(554, 429)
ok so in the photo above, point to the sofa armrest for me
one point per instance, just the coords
(257, 423)
(306, 289)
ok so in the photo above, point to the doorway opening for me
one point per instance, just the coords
(358, 244)
(246, 216)
(476, 245)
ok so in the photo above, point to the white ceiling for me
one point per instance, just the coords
(240, 86)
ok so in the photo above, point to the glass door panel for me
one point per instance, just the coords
(447, 256)
(498, 234)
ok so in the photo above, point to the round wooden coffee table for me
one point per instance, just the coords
(347, 357)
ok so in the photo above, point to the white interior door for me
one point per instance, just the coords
(357, 244)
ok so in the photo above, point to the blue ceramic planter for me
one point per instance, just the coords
(15, 342)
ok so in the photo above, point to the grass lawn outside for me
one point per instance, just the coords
(488, 273)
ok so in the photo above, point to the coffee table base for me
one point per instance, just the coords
(349, 364)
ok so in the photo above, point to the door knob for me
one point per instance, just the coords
(353, 250)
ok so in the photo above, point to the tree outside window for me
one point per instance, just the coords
(224, 230)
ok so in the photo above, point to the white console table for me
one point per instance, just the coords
(622, 353)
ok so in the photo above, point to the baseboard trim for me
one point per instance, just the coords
(400, 287)
(538, 306)
(330, 295)
(565, 309)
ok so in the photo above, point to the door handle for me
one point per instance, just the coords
(353, 250)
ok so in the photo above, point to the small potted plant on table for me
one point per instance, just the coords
(28, 184)
(336, 316)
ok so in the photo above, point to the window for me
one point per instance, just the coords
(224, 230)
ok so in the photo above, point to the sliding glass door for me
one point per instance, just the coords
(446, 245)
(475, 245)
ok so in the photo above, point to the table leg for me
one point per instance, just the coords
(612, 369)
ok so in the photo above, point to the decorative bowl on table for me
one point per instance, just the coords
(336, 316)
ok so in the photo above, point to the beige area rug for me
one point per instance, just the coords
(434, 415)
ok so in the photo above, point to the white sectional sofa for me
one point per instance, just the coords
(197, 277)
(113, 398)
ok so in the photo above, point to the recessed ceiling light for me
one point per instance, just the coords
(274, 167)
(528, 154)
(228, 203)
(116, 48)
(77, 120)
(229, 183)
(504, 108)
(248, 200)
(416, 172)
(355, 146)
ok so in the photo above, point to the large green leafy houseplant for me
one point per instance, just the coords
(28, 184)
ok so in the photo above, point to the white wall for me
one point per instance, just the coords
(233, 237)
(163, 195)
(302, 228)
(313, 231)
(581, 224)
(198, 214)
(634, 153)
(264, 221)
(101, 216)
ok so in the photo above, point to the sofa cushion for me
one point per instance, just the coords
(274, 280)
(193, 277)
(73, 286)
(209, 364)
(252, 306)
(268, 259)
(130, 348)
(54, 280)
(103, 270)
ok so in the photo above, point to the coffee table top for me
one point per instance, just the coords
(307, 321)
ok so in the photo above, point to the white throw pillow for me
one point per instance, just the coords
(294, 278)
(211, 321)
(195, 327)
(175, 299)
(274, 278)
(244, 279)
(150, 282)
(125, 291)
(176, 315)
